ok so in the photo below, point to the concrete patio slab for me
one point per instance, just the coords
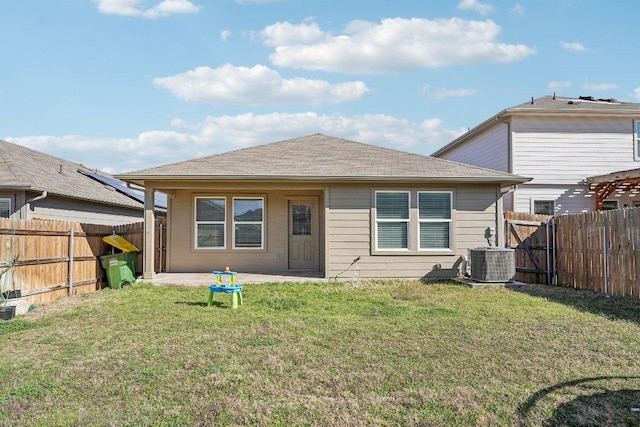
(206, 279)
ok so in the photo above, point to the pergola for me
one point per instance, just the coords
(616, 182)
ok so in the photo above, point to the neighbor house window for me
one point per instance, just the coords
(248, 223)
(609, 205)
(5, 208)
(210, 222)
(434, 217)
(544, 207)
(392, 220)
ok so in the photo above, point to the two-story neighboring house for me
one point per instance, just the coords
(582, 153)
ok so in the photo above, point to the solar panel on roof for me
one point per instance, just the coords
(121, 186)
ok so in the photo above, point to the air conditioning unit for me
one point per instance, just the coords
(492, 264)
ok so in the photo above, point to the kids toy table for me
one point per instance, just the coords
(232, 288)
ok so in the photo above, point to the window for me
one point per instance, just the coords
(392, 220)
(248, 223)
(210, 222)
(544, 207)
(434, 217)
(5, 208)
(609, 205)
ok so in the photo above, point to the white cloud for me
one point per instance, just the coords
(256, 85)
(225, 34)
(475, 5)
(133, 8)
(637, 92)
(284, 33)
(443, 92)
(559, 85)
(573, 47)
(224, 133)
(600, 86)
(392, 45)
(518, 9)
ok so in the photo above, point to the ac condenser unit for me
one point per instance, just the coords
(492, 264)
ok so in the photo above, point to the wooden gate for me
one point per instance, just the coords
(533, 239)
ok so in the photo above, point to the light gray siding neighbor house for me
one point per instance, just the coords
(573, 148)
(37, 185)
(327, 205)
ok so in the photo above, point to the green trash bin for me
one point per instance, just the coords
(120, 267)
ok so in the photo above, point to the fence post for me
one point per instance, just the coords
(605, 266)
(71, 236)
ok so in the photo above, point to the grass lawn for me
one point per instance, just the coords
(325, 354)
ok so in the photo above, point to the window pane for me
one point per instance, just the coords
(609, 205)
(210, 235)
(248, 236)
(543, 207)
(392, 235)
(434, 205)
(392, 205)
(247, 210)
(5, 208)
(434, 235)
(209, 209)
(301, 220)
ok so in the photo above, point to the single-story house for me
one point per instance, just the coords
(327, 205)
(35, 185)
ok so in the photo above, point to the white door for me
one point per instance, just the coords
(303, 235)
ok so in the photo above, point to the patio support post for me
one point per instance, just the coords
(149, 233)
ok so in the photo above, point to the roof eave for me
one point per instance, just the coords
(140, 180)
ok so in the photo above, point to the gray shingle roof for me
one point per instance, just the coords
(320, 157)
(30, 170)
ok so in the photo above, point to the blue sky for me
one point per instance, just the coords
(122, 85)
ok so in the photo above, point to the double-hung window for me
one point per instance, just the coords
(544, 207)
(248, 223)
(392, 220)
(210, 222)
(5, 208)
(434, 217)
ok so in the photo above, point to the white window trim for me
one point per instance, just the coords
(233, 225)
(449, 220)
(636, 140)
(407, 221)
(196, 222)
(533, 205)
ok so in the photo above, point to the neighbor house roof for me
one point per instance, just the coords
(552, 105)
(24, 169)
(320, 158)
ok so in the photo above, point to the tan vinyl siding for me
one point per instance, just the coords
(349, 233)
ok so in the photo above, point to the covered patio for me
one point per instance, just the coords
(206, 279)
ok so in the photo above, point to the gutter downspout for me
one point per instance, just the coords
(40, 197)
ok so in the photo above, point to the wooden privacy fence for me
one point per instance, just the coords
(50, 259)
(600, 251)
(532, 238)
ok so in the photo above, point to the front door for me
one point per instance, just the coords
(303, 235)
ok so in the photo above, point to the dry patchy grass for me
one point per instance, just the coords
(380, 353)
